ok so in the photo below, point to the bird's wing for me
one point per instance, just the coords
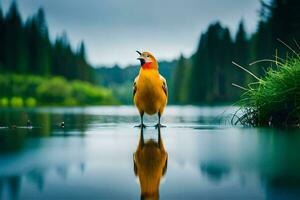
(134, 86)
(164, 85)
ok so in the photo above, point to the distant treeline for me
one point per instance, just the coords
(120, 79)
(25, 48)
(207, 75)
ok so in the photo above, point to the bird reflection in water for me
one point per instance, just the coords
(150, 164)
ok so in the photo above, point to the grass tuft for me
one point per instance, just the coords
(273, 100)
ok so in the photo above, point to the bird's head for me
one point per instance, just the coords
(147, 60)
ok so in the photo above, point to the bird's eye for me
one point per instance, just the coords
(148, 56)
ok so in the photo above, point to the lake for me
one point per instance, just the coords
(100, 155)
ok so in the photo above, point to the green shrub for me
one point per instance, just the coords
(70, 101)
(30, 102)
(16, 102)
(4, 102)
(54, 91)
(87, 94)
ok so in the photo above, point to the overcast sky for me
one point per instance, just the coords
(113, 29)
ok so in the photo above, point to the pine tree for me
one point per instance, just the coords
(82, 69)
(241, 47)
(241, 54)
(38, 44)
(261, 48)
(44, 44)
(185, 80)
(226, 76)
(284, 19)
(81, 51)
(2, 47)
(15, 48)
(177, 79)
(196, 83)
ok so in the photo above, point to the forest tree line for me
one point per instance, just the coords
(26, 49)
(207, 76)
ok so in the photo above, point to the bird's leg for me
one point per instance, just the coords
(159, 125)
(159, 137)
(141, 125)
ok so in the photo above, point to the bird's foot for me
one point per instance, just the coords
(140, 126)
(159, 125)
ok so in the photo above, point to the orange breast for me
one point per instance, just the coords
(150, 97)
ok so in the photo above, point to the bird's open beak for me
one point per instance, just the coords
(141, 58)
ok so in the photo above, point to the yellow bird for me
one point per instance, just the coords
(150, 91)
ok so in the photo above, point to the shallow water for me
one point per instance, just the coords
(96, 156)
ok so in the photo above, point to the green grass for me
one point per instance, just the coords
(273, 100)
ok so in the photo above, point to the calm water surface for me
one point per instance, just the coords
(99, 155)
